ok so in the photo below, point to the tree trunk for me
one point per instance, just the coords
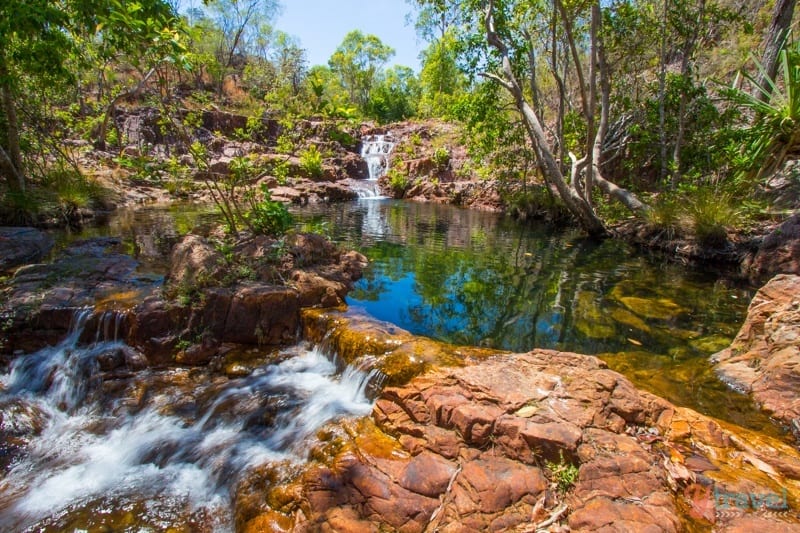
(575, 202)
(778, 31)
(11, 158)
(662, 96)
(101, 135)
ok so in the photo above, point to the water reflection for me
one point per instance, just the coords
(477, 278)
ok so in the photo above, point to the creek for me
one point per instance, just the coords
(170, 448)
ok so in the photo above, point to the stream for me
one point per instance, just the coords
(169, 448)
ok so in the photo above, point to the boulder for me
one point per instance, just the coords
(764, 358)
(779, 252)
(19, 246)
(195, 263)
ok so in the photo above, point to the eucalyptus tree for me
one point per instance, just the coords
(358, 62)
(240, 22)
(395, 96)
(500, 37)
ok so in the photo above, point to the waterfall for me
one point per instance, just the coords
(375, 150)
(170, 443)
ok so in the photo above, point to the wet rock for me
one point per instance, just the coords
(779, 252)
(764, 358)
(262, 314)
(19, 246)
(41, 300)
(153, 324)
(486, 446)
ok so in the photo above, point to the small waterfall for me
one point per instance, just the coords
(375, 150)
(170, 443)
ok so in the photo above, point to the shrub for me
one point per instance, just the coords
(398, 181)
(441, 158)
(311, 161)
(268, 216)
(709, 215)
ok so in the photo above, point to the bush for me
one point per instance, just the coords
(709, 215)
(441, 158)
(398, 181)
(269, 217)
(311, 161)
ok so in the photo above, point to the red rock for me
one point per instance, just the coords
(427, 474)
(764, 358)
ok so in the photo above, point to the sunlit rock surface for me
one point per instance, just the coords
(763, 359)
(488, 441)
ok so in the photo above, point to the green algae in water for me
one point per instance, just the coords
(477, 278)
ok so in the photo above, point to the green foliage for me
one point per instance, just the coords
(357, 62)
(705, 212)
(441, 158)
(342, 137)
(395, 97)
(563, 473)
(534, 202)
(311, 161)
(441, 80)
(665, 214)
(267, 216)
(710, 214)
(398, 181)
(775, 132)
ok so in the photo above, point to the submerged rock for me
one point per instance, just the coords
(764, 358)
(22, 245)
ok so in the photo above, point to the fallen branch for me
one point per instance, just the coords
(433, 522)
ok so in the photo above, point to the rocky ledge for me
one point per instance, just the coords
(521, 442)
(764, 358)
(22, 245)
(248, 290)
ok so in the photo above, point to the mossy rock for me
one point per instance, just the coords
(656, 308)
(711, 344)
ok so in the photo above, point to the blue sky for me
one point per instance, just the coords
(320, 25)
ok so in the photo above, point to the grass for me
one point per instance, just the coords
(563, 473)
(703, 212)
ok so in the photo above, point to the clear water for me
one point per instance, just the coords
(471, 277)
(160, 448)
(476, 278)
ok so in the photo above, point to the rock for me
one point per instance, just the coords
(41, 301)
(195, 263)
(485, 446)
(22, 245)
(154, 327)
(764, 358)
(261, 314)
(779, 252)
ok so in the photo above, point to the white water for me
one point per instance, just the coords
(179, 452)
(375, 150)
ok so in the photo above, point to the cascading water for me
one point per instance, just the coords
(375, 150)
(159, 447)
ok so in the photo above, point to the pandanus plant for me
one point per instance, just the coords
(775, 104)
